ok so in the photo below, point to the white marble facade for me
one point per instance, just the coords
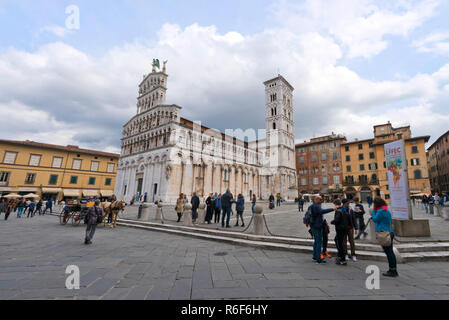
(163, 154)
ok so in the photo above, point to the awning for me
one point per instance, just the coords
(5, 189)
(51, 190)
(25, 189)
(107, 193)
(71, 192)
(90, 193)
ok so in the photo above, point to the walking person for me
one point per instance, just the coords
(48, 205)
(31, 207)
(20, 208)
(226, 202)
(341, 222)
(240, 207)
(431, 201)
(39, 207)
(316, 227)
(278, 199)
(3, 206)
(359, 217)
(271, 199)
(195, 201)
(384, 223)
(351, 227)
(10, 207)
(180, 204)
(93, 217)
(253, 203)
(217, 212)
(301, 204)
(370, 201)
(425, 202)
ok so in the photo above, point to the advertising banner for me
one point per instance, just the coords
(397, 178)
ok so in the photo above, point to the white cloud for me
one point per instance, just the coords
(437, 42)
(58, 31)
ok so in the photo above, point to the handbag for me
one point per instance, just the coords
(384, 238)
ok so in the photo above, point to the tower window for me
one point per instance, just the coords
(274, 125)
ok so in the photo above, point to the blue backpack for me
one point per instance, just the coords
(307, 220)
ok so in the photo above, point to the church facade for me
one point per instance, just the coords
(163, 154)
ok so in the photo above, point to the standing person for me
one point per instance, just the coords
(210, 208)
(253, 204)
(226, 202)
(10, 206)
(326, 231)
(278, 199)
(20, 208)
(383, 222)
(431, 202)
(370, 201)
(31, 207)
(425, 202)
(360, 220)
(26, 206)
(39, 207)
(351, 227)
(195, 201)
(271, 199)
(240, 207)
(316, 226)
(48, 205)
(301, 204)
(217, 209)
(341, 222)
(3, 206)
(180, 203)
(92, 215)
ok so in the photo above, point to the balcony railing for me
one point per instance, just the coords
(361, 182)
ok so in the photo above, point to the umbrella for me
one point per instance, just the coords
(31, 195)
(13, 195)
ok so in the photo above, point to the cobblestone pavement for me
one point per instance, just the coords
(128, 263)
(287, 221)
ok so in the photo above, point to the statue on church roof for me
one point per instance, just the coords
(164, 69)
(155, 65)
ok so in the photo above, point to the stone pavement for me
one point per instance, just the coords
(287, 221)
(128, 263)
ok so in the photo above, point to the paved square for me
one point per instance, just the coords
(128, 263)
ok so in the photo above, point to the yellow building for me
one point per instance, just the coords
(55, 172)
(364, 165)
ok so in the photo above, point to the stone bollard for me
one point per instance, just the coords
(188, 215)
(159, 213)
(446, 212)
(201, 213)
(145, 212)
(258, 221)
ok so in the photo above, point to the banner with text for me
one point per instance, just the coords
(398, 185)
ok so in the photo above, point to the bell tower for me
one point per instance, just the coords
(152, 89)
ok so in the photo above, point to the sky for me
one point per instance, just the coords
(69, 70)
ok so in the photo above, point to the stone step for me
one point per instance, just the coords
(361, 255)
(426, 256)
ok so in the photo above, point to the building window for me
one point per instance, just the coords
(325, 180)
(361, 156)
(10, 157)
(372, 155)
(303, 182)
(335, 156)
(323, 157)
(314, 158)
(76, 165)
(385, 164)
(73, 179)
(348, 158)
(94, 165)
(418, 174)
(53, 179)
(336, 179)
(30, 177)
(316, 181)
(108, 182)
(414, 149)
(35, 160)
(371, 144)
(373, 166)
(348, 168)
(274, 125)
(301, 159)
(4, 177)
(91, 180)
(362, 167)
(415, 162)
(346, 148)
(57, 162)
(374, 177)
(360, 146)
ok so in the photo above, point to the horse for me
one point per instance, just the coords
(114, 208)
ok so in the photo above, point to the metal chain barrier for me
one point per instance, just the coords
(249, 224)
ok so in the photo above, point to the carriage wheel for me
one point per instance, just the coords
(76, 219)
(61, 218)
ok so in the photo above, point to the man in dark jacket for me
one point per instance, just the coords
(316, 227)
(341, 222)
(226, 202)
(352, 227)
(359, 211)
(195, 201)
(91, 217)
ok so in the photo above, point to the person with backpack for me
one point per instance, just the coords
(359, 211)
(384, 233)
(316, 226)
(341, 222)
(94, 216)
